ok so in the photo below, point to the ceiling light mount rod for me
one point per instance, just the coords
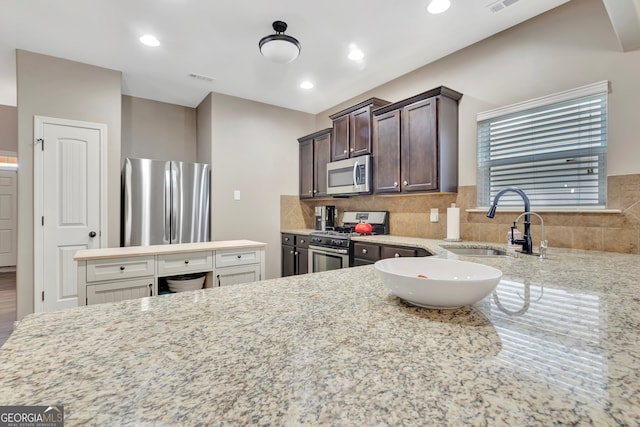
(279, 47)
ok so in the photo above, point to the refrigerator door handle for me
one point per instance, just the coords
(167, 205)
(175, 195)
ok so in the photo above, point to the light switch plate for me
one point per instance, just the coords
(236, 195)
(434, 214)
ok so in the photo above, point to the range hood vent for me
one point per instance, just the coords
(500, 5)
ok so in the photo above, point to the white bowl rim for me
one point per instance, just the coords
(488, 272)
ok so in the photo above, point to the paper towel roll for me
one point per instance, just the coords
(453, 223)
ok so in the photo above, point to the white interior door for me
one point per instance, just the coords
(8, 217)
(70, 210)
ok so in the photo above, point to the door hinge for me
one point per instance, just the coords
(42, 219)
(42, 296)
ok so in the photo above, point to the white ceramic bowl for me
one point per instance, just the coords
(184, 285)
(437, 283)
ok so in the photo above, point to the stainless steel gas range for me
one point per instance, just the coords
(332, 249)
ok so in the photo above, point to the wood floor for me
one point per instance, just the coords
(7, 304)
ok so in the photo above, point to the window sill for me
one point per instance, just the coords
(550, 210)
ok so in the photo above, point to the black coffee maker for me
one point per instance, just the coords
(325, 217)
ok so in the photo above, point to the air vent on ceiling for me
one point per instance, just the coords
(500, 5)
(201, 77)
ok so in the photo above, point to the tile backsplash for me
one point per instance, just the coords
(409, 216)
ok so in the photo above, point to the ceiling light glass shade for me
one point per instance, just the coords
(306, 85)
(149, 40)
(279, 47)
(356, 55)
(438, 6)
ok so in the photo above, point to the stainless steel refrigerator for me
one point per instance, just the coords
(164, 202)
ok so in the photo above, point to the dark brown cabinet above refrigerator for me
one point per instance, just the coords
(315, 151)
(352, 130)
(415, 143)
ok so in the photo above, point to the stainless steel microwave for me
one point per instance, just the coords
(349, 176)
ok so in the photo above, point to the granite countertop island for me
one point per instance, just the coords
(557, 343)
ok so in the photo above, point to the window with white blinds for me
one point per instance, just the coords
(553, 148)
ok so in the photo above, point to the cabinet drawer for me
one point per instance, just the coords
(287, 239)
(237, 257)
(120, 291)
(366, 251)
(191, 262)
(120, 268)
(302, 241)
(395, 252)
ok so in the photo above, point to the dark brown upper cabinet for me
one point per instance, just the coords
(415, 143)
(315, 153)
(352, 129)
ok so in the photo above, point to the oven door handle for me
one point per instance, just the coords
(329, 250)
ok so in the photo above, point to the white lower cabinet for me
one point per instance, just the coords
(118, 278)
(239, 266)
(235, 275)
(120, 291)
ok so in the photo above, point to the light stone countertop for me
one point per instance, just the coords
(132, 251)
(557, 343)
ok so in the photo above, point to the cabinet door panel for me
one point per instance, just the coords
(340, 145)
(302, 261)
(120, 291)
(235, 275)
(288, 261)
(419, 146)
(386, 138)
(322, 155)
(306, 169)
(360, 132)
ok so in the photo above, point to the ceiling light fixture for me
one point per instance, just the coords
(279, 47)
(306, 85)
(355, 54)
(438, 6)
(149, 40)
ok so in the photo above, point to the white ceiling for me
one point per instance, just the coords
(220, 39)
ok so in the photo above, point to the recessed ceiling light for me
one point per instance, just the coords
(438, 6)
(149, 40)
(355, 54)
(306, 85)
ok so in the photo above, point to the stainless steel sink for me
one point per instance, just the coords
(476, 251)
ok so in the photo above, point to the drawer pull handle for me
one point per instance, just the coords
(150, 289)
(364, 251)
(301, 240)
(239, 256)
(397, 255)
(218, 277)
(122, 268)
(186, 261)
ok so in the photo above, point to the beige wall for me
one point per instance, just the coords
(204, 130)
(157, 130)
(254, 150)
(59, 88)
(8, 128)
(567, 47)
